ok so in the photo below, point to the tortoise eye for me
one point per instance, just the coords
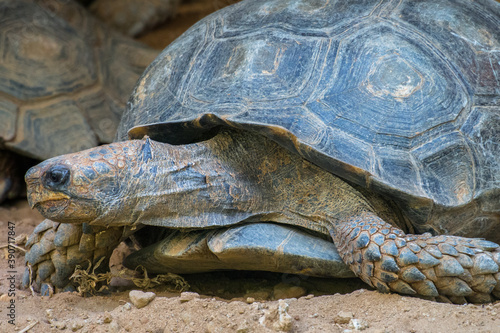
(56, 177)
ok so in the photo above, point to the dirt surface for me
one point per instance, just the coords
(225, 302)
(220, 302)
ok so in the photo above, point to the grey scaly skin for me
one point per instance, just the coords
(56, 249)
(212, 183)
(386, 258)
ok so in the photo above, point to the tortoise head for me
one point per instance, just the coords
(80, 187)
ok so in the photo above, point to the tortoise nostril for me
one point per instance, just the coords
(56, 177)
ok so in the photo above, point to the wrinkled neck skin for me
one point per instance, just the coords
(234, 177)
(231, 178)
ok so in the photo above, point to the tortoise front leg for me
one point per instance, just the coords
(386, 258)
(55, 249)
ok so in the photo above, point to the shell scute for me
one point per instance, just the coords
(383, 95)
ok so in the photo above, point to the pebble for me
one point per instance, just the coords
(5, 298)
(310, 296)
(75, 326)
(105, 318)
(188, 296)
(277, 317)
(140, 299)
(250, 300)
(284, 290)
(126, 307)
(343, 317)
(61, 325)
(358, 324)
(285, 320)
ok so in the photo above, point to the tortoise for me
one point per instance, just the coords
(65, 81)
(272, 126)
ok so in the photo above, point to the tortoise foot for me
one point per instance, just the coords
(455, 268)
(55, 249)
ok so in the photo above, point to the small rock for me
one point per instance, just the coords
(61, 325)
(284, 290)
(250, 300)
(188, 296)
(75, 326)
(126, 307)
(140, 299)
(4, 298)
(343, 317)
(105, 318)
(309, 296)
(358, 324)
(277, 317)
(285, 320)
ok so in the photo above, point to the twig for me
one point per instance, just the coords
(27, 328)
(14, 246)
(31, 279)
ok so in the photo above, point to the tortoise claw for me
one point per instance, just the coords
(26, 279)
(46, 289)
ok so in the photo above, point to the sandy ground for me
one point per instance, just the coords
(224, 302)
(221, 302)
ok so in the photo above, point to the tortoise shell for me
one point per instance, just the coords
(65, 78)
(399, 97)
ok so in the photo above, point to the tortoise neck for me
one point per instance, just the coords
(234, 177)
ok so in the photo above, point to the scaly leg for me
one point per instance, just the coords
(55, 249)
(386, 258)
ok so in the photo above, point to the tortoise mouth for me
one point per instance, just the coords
(39, 196)
(51, 202)
(52, 207)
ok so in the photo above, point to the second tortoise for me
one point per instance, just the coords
(66, 79)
